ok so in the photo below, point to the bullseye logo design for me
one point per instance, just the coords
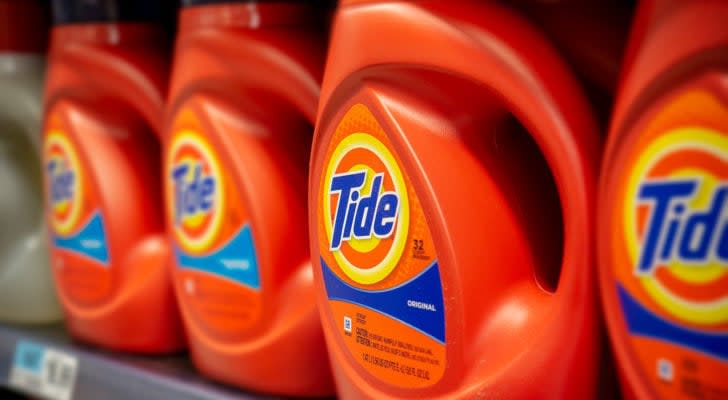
(65, 191)
(677, 227)
(667, 243)
(366, 208)
(197, 194)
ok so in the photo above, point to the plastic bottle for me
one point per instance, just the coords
(27, 294)
(243, 99)
(104, 106)
(663, 213)
(451, 196)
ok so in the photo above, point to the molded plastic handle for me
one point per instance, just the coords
(125, 61)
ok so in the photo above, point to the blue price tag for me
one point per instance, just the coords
(29, 356)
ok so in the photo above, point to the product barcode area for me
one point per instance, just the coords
(59, 373)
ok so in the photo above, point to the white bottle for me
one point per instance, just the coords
(27, 292)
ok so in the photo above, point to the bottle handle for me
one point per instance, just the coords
(536, 85)
(539, 89)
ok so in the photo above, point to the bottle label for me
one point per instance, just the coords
(80, 253)
(217, 275)
(378, 258)
(672, 265)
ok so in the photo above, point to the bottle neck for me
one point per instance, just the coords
(109, 34)
(248, 15)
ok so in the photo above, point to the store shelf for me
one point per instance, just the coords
(106, 375)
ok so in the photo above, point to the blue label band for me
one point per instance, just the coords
(235, 260)
(90, 241)
(417, 303)
(642, 322)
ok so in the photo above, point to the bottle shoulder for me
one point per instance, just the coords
(281, 64)
(137, 77)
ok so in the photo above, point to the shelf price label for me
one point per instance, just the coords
(42, 371)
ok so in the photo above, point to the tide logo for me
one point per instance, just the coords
(677, 224)
(195, 191)
(365, 208)
(64, 189)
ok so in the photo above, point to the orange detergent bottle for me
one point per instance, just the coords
(663, 214)
(104, 104)
(451, 196)
(244, 91)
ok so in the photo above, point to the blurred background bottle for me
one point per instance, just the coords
(27, 294)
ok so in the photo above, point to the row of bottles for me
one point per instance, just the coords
(399, 200)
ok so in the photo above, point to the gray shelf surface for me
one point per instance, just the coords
(107, 375)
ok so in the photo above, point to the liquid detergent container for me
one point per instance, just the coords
(27, 294)
(451, 196)
(104, 106)
(663, 205)
(244, 91)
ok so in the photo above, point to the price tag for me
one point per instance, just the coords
(43, 371)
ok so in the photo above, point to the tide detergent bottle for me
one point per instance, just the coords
(450, 203)
(663, 214)
(104, 105)
(27, 294)
(243, 97)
